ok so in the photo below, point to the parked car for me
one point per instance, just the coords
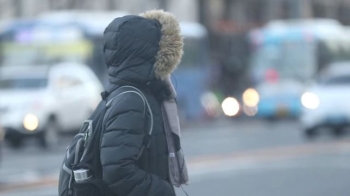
(326, 103)
(43, 101)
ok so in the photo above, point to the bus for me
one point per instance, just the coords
(78, 36)
(56, 37)
(92, 25)
(192, 77)
(285, 56)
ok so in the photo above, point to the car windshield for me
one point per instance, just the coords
(23, 83)
(289, 59)
(339, 80)
(195, 52)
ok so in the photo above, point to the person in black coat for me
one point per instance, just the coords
(140, 51)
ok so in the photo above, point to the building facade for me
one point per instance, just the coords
(237, 15)
(185, 10)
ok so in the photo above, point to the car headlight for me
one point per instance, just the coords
(251, 97)
(31, 122)
(310, 100)
(230, 106)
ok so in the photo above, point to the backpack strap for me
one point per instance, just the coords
(108, 103)
(148, 106)
(148, 137)
(144, 99)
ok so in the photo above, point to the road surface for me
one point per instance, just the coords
(225, 158)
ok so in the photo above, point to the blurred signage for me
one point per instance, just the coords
(45, 34)
(33, 52)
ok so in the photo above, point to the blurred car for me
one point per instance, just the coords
(42, 101)
(326, 103)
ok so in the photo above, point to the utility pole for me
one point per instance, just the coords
(17, 4)
(76, 4)
(163, 4)
(142, 6)
(227, 9)
(271, 11)
(111, 5)
(295, 9)
(203, 11)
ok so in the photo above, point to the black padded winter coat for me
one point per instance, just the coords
(139, 51)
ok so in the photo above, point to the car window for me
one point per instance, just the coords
(339, 80)
(68, 81)
(23, 83)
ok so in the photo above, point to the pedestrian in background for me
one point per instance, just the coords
(142, 51)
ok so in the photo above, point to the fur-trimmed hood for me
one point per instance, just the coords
(142, 49)
(171, 42)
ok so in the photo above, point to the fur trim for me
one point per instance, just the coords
(170, 45)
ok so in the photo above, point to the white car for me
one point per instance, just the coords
(43, 101)
(326, 103)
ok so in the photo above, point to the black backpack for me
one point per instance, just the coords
(83, 154)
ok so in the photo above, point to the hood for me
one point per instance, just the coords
(144, 49)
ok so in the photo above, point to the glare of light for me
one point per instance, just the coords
(310, 100)
(30, 122)
(230, 106)
(250, 111)
(251, 97)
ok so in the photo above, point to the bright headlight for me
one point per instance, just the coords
(230, 106)
(30, 122)
(310, 100)
(251, 97)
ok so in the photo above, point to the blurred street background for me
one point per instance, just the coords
(263, 90)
